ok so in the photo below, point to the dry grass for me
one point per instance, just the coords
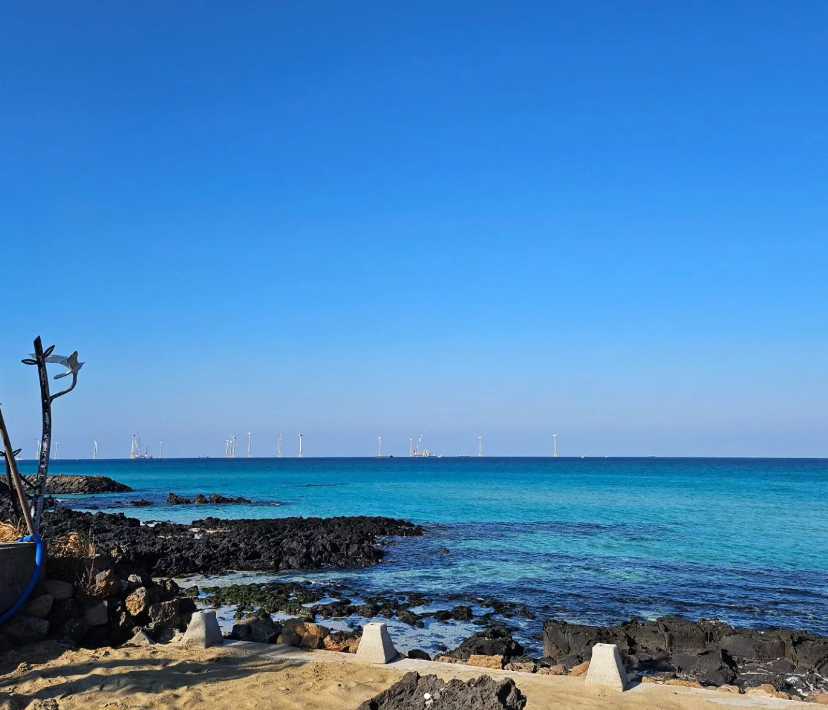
(74, 545)
(11, 532)
(76, 552)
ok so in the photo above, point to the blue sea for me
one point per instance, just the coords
(585, 540)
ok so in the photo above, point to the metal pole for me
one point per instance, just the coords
(46, 434)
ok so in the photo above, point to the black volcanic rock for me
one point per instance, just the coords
(494, 641)
(63, 484)
(415, 691)
(711, 652)
(215, 546)
(204, 499)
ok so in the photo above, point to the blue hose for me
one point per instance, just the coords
(40, 559)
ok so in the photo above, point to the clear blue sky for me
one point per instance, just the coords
(608, 220)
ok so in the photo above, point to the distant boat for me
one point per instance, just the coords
(135, 452)
(424, 454)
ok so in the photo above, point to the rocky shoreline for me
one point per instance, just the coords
(217, 546)
(102, 582)
(670, 650)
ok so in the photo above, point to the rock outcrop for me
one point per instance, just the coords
(416, 691)
(62, 484)
(710, 652)
(215, 546)
(494, 641)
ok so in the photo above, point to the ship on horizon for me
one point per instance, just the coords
(135, 451)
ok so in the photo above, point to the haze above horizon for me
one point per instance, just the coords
(501, 219)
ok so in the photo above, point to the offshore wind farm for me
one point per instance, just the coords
(415, 448)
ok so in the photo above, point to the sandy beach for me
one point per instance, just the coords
(254, 676)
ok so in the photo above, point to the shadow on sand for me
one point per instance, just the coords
(159, 673)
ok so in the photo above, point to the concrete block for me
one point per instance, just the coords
(606, 669)
(376, 646)
(203, 630)
(16, 568)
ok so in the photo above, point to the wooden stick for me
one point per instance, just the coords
(15, 474)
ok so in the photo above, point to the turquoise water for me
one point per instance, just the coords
(591, 540)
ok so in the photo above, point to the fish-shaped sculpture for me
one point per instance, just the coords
(70, 363)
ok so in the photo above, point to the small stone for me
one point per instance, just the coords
(137, 602)
(447, 659)
(106, 585)
(255, 628)
(165, 617)
(140, 639)
(97, 614)
(819, 698)
(683, 682)
(339, 641)
(522, 666)
(486, 661)
(58, 589)
(557, 669)
(729, 689)
(296, 632)
(580, 669)
(40, 606)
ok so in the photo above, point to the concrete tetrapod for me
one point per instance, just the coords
(203, 630)
(376, 646)
(606, 669)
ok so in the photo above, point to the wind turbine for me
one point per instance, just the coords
(279, 446)
(479, 445)
(379, 446)
(555, 445)
(249, 443)
(94, 449)
(301, 451)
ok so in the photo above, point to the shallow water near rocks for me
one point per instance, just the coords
(587, 540)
